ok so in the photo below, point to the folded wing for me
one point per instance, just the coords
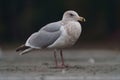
(45, 37)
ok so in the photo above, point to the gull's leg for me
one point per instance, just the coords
(55, 57)
(62, 59)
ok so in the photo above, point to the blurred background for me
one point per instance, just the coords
(20, 18)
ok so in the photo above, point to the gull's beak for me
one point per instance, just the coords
(82, 19)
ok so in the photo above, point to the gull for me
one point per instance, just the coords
(56, 35)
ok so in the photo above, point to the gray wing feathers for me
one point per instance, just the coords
(43, 39)
(52, 27)
(46, 35)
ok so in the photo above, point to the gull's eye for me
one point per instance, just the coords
(71, 15)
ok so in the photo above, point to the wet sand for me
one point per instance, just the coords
(83, 64)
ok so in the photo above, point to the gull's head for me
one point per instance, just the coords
(72, 16)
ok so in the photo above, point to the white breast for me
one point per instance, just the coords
(70, 34)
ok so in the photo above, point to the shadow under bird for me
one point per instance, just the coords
(56, 35)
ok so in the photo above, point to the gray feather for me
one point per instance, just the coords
(46, 36)
(52, 27)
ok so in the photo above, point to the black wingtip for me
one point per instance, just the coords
(21, 48)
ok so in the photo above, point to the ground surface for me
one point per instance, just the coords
(84, 64)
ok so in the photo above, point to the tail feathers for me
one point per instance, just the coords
(22, 48)
(26, 51)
